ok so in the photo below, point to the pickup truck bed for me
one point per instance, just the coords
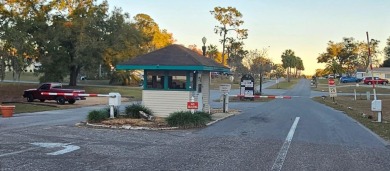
(32, 94)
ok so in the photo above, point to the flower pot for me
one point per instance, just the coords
(7, 111)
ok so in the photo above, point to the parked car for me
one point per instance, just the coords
(349, 80)
(332, 76)
(376, 80)
(32, 94)
(214, 74)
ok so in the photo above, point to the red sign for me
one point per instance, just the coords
(331, 81)
(192, 105)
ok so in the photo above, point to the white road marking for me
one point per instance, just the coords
(283, 151)
(67, 148)
(17, 152)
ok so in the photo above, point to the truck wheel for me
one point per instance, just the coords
(42, 100)
(369, 83)
(30, 98)
(71, 101)
(61, 100)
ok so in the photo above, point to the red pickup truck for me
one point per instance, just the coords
(32, 94)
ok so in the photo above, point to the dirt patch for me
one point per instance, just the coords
(157, 123)
(361, 105)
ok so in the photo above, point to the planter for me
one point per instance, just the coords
(7, 111)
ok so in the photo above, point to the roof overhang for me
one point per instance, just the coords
(166, 67)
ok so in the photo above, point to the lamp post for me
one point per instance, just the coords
(204, 46)
(261, 79)
(267, 67)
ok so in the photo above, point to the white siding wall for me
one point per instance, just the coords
(162, 103)
(206, 91)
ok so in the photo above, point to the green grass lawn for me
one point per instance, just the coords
(284, 84)
(215, 82)
(24, 76)
(351, 88)
(27, 108)
(134, 92)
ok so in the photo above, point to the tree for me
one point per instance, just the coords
(155, 38)
(122, 43)
(333, 67)
(82, 38)
(386, 51)
(332, 56)
(195, 49)
(348, 55)
(320, 72)
(230, 19)
(362, 52)
(236, 54)
(279, 70)
(212, 52)
(288, 61)
(17, 23)
(259, 64)
(299, 66)
(69, 37)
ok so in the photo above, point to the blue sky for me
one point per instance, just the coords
(305, 26)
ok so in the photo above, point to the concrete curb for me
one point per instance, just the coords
(129, 127)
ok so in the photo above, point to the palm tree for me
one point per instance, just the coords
(333, 67)
(288, 60)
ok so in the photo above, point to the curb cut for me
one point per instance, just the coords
(129, 127)
(220, 119)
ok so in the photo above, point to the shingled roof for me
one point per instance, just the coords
(173, 57)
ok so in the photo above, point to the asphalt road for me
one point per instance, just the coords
(296, 134)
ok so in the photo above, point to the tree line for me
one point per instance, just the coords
(69, 37)
(240, 60)
(76, 37)
(349, 55)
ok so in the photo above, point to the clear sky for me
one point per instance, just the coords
(305, 26)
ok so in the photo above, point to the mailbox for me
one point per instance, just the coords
(114, 99)
(376, 105)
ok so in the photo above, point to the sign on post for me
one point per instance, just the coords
(331, 82)
(192, 105)
(247, 88)
(225, 88)
(332, 91)
(332, 88)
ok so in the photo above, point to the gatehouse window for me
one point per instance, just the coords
(170, 80)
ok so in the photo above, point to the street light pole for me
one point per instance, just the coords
(261, 81)
(204, 46)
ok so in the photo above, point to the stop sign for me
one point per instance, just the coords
(331, 81)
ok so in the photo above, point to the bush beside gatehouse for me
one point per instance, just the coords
(185, 119)
(133, 110)
(181, 119)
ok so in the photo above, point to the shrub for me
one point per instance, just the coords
(185, 119)
(107, 110)
(132, 110)
(97, 116)
(203, 114)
